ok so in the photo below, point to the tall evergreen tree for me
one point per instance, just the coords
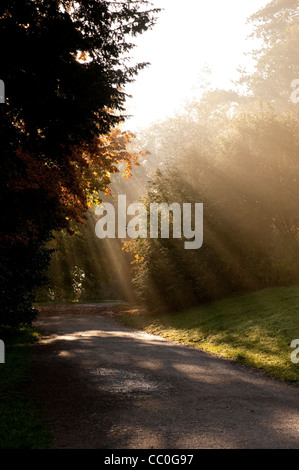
(64, 65)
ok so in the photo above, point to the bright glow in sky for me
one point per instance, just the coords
(188, 36)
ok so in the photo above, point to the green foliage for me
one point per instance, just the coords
(240, 159)
(248, 182)
(80, 269)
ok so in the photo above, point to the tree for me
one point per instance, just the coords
(248, 183)
(239, 156)
(80, 267)
(277, 63)
(64, 66)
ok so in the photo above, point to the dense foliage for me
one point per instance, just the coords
(64, 65)
(236, 151)
(238, 154)
(248, 182)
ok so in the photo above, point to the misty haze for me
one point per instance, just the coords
(149, 244)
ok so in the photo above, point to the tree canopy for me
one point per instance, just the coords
(277, 60)
(238, 154)
(65, 65)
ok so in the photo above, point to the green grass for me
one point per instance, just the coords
(255, 329)
(21, 422)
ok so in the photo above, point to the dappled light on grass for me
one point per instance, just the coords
(254, 329)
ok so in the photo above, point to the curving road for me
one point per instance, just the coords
(105, 386)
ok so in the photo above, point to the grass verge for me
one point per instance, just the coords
(21, 421)
(255, 329)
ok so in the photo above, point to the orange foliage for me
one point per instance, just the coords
(77, 183)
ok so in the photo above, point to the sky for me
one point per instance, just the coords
(189, 36)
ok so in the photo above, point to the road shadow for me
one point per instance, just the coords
(103, 385)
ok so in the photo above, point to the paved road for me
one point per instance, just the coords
(106, 386)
